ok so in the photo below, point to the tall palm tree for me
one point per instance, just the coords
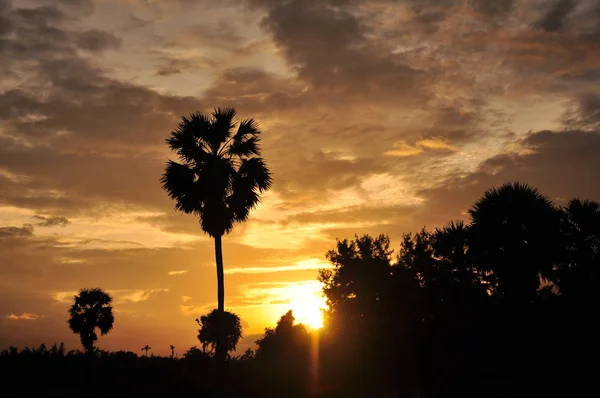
(146, 348)
(515, 237)
(172, 347)
(219, 174)
(91, 310)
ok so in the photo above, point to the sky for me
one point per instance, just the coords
(379, 116)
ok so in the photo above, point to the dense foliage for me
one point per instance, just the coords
(505, 305)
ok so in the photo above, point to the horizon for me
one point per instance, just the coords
(377, 117)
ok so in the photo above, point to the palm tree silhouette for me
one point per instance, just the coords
(172, 347)
(219, 329)
(146, 348)
(91, 310)
(578, 274)
(219, 176)
(515, 236)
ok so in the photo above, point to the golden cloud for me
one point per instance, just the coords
(26, 316)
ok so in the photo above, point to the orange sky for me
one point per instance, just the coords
(378, 116)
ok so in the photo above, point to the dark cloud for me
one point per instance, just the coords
(328, 47)
(97, 40)
(322, 172)
(83, 180)
(77, 90)
(16, 232)
(221, 35)
(169, 69)
(456, 123)
(494, 8)
(562, 165)
(586, 114)
(553, 19)
(44, 221)
(39, 16)
(6, 25)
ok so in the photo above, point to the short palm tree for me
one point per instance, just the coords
(219, 330)
(91, 310)
(218, 177)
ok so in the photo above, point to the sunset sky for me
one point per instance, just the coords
(378, 116)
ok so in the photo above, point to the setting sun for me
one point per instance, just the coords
(304, 298)
(309, 312)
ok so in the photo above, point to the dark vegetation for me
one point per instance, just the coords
(505, 305)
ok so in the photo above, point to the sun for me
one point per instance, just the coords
(304, 298)
(309, 312)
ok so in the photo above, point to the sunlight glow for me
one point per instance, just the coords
(307, 304)
(265, 302)
(308, 312)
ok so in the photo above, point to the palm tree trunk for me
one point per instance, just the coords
(220, 277)
(219, 352)
(88, 345)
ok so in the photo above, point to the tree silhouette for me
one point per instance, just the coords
(516, 234)
(578, 275)
(459, 310)
(219, 329)
(91, 310)
(219, 176)
(284, 337)
(146, 348)
(284, 353)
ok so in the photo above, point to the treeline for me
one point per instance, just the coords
(505, 305)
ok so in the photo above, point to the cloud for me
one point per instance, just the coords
(552, 20)
(25, 231)
(560, 164)
(64, 297)
(26, 316)
(301, 265)
(436, 143)
(402, 149)
(586, 113)
(172, 273)
(94, 40)
(344, 62)
(493, 8)
(45, 221)
(137, 296)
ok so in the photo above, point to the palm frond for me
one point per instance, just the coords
(257, 171)
(247, 127)
(244, 199)
(219, 176)
(178, 180)
(192, 130)
(221, 127)
(245, 147)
